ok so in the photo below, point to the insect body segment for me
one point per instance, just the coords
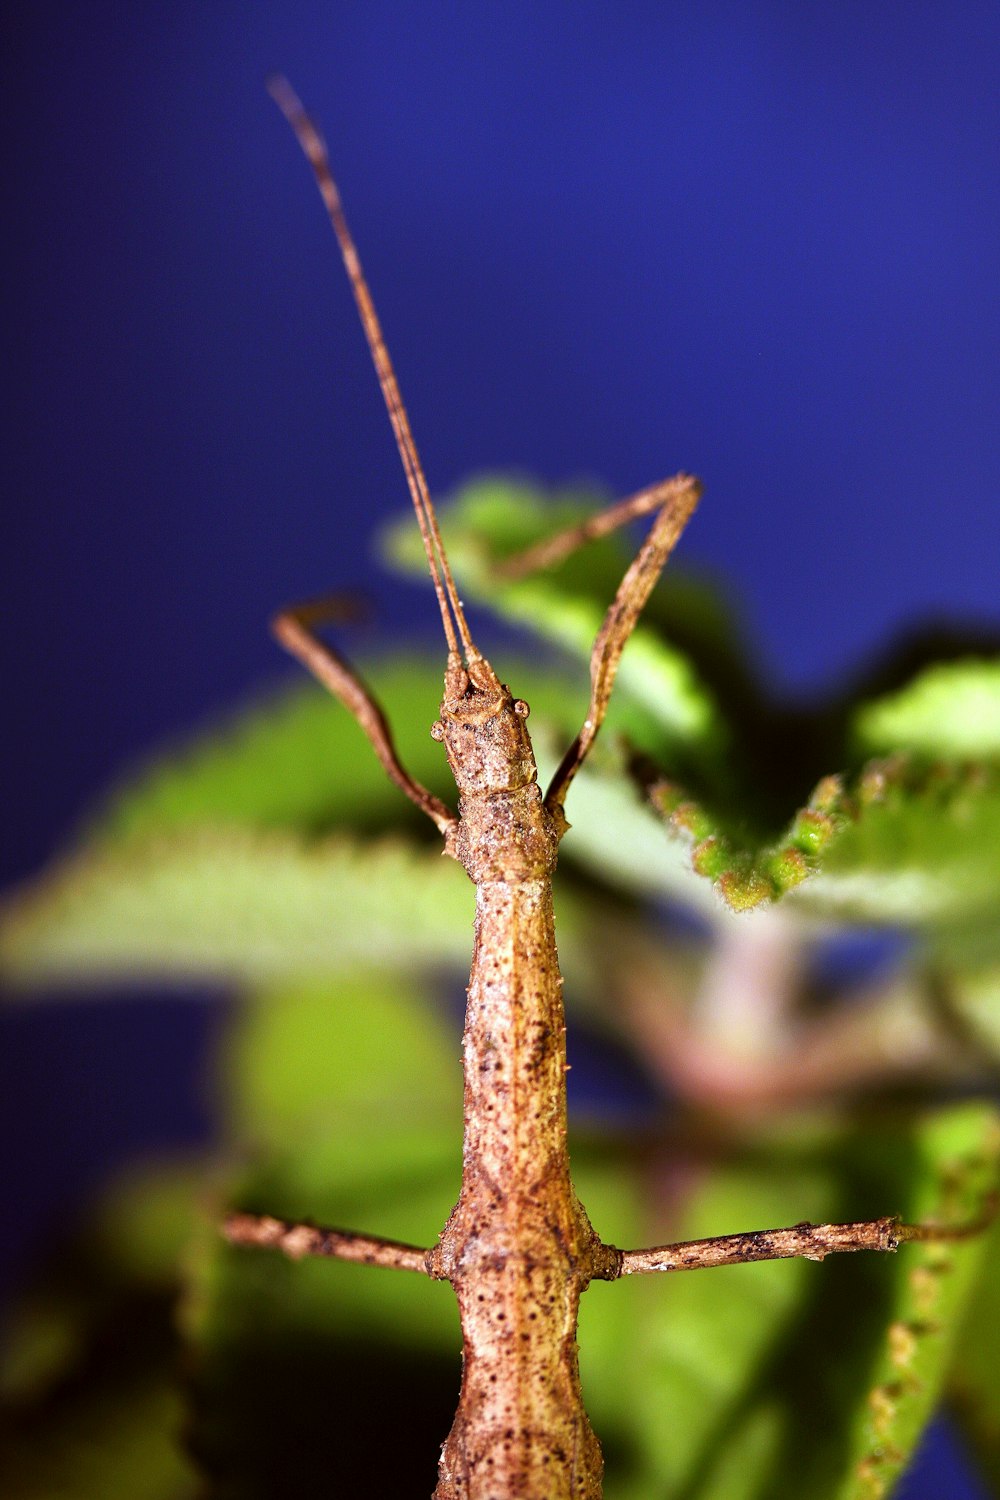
(504, 830)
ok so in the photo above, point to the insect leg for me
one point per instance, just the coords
(552, 549)
(295, 628)
(298, 1240)
(672, 501)
(811, 1241)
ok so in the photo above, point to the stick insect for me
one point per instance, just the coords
(518, 1248)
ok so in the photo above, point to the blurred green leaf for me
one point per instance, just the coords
(334, 1059)
(241, 906)
(922, 851)
(720, 1385)
(931, 1289)
(950, 711)
(972, 995)
(236, 905)
(973, 1388)
(490, 520)
(900, 843)
(668, 1363)
(297, 759)
(354, 1095)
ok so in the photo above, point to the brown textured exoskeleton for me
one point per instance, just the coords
(518, 1248)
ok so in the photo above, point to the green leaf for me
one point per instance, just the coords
(236, 905)
(216, 862)
(973, 1388)
(246, 906)
(300, 1371)
(619, 839)
(911, 838)
(297, 759)
(671, 1375)
(901, 843)
(929, 1298)
(312, 1057)
(720, 1385)
(923, 850)
(949, 711)
(972, 994)
(491, 519)
(351, 1096)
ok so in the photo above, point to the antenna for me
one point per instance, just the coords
(309, 138)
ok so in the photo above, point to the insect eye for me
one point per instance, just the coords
(521, 708)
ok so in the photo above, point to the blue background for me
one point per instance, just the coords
(758, 242)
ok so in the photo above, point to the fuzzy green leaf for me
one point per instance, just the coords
(352, 1098)
(912, 838)
(973, 995)
(235, 905)
(899, 843)
(618, 837)
(922, 851)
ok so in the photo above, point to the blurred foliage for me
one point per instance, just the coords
(152, 1360)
